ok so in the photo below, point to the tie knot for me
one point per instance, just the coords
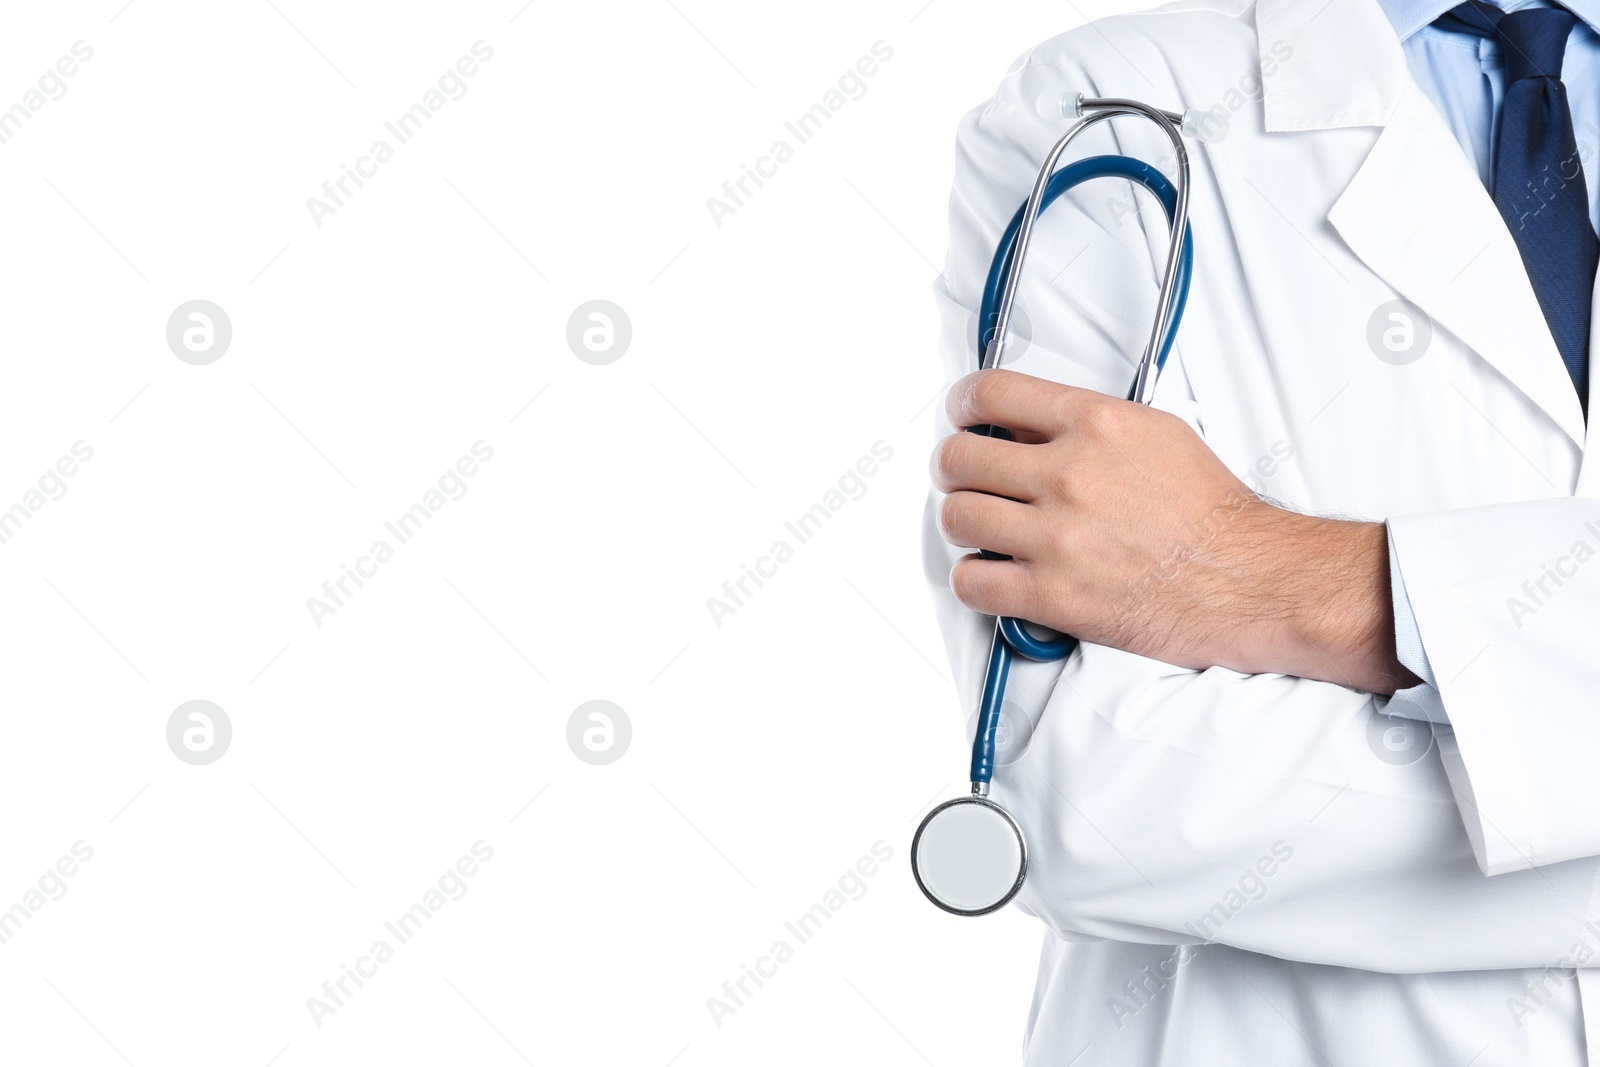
(1534, 42)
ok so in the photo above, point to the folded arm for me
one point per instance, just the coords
(1124, 529)
(1157, 795)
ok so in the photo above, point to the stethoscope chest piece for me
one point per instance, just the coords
(969, 856)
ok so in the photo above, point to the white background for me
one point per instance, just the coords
(429, 313)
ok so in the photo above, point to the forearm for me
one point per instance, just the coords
(1121, 527)
(1320, 606)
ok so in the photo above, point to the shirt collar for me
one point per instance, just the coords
(1409, 16)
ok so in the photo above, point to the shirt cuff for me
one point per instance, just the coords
(1422, 701)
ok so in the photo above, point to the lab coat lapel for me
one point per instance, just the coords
(1416, 213)
(1418, 216)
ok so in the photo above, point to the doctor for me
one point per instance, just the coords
(1323, 784)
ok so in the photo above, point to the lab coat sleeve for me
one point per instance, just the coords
(1274, 814)
(1507, 598)
(1420, 701)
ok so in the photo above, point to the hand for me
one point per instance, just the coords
(1126, 530)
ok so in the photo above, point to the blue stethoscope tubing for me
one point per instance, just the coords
(1011, 637)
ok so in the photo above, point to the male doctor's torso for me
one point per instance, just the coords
(1259, 869)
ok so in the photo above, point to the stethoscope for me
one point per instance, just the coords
(969, 855)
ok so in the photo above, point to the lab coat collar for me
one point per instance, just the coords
(1416, 213)
(1345, 67)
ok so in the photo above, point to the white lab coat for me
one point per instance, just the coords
(1364, 905)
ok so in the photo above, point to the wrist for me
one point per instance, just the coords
(1328, 612)
(1338, 607)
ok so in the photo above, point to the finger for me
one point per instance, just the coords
(978, 520)
(986, 465)
(1016, 401)
(991, 587)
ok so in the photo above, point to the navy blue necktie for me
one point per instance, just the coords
(1538, 180)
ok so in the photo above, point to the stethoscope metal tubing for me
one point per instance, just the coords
(1009, 636)
(1092, 111)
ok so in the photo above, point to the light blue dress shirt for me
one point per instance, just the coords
(1461, 74)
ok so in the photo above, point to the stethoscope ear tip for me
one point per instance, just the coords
(1202, 126)
(1054, 104)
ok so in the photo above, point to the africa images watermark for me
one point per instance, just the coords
(851, 85)
(1137, 592)
(1537, 592)
(451, 885)
(337, 591)
(52, 85)
(52, 485)
(1214, 121)
(410, 122)
(851, 885)
(1563, 970)
(1142, 990)
(51, 885)
(852, 485)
